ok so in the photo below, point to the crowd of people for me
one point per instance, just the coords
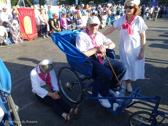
(68, 17)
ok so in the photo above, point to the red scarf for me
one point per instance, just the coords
(47, 80)
(127, 25)
(95, 46)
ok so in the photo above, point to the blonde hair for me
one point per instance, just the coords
(137, 10)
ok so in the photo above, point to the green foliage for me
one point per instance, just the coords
(42, 2)
(13, 2)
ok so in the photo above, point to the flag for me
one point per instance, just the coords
(27, 23)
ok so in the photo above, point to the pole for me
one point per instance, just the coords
(113, 71)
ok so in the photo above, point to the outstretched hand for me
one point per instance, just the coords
(101, 49)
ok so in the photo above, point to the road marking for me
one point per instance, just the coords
(25, 106)
(164, 29)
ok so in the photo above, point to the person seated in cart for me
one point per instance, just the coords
(93, 44)
(44, 74)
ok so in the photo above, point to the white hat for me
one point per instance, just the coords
(137, 2)
(46, 64)
(93, 20)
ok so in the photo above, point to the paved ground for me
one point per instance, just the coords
(22, 58)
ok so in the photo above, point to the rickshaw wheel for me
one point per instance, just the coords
(70, 84)
(141, 118)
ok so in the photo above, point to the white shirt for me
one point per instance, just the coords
(37, 82)
(2, 31)
(130, 46)
(4, 16)
(84, 42)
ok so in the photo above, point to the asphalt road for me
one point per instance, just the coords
(20, 59)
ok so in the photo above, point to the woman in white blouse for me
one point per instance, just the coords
(132, 42)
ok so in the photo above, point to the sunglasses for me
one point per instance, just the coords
(130, 7)
(93, 25)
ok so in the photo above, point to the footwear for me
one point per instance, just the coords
(47, 36)
(44, 36)
(124, 84)
(111, 92)
(104, 102)
(77, 111)
(129, 87)
(69, 116)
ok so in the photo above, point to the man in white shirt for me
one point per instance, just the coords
(3, 36)
(44, 74)
(5, 18)
(93, 44)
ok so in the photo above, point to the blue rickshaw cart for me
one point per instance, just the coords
(11, 117)
(77, 80)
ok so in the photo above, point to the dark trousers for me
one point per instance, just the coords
(59, 106)
(105, 78)
(44, 29)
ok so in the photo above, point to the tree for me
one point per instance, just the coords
(42, 2)
(13, 2)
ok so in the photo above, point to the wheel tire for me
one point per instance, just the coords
(140, 118)
(70, 84)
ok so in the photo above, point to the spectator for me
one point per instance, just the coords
(3, 36)
(156, 10)
(37, 13)
(147, 12)
(43, 23)
(50, 16)
(143, 11)
(63, 22)
(79, 20)
(161, 12)
(15, 13)
(55, 24)
(15, 32)
(104, 20)
(5, 19)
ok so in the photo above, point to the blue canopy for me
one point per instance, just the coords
(77, 60)
(5, 78)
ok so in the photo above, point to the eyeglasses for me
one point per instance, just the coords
(130, 7)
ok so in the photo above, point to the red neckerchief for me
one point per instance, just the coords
(95, 46)
(47, 80)
(127, 25)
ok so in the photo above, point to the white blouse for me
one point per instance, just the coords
(37, 82)
(84, 42)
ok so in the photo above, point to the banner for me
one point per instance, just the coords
(27, 23)
(154, 3)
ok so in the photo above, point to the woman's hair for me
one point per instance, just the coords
(55, 14)
(78, 7)
(63, 14)
(136, 11)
